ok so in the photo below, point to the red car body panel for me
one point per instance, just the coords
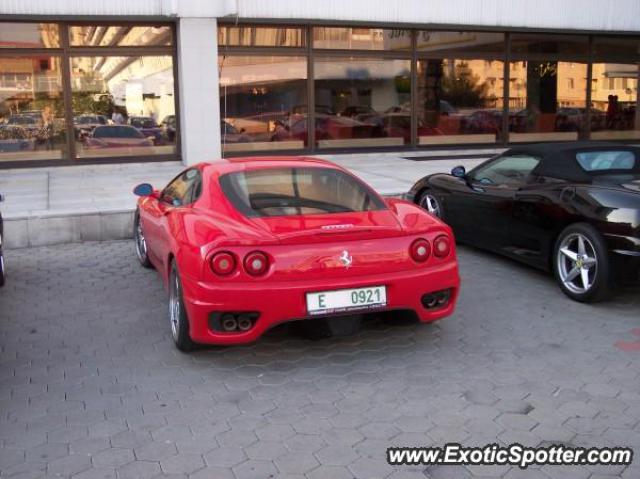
(304, 256)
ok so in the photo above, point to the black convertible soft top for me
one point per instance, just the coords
(558, 160)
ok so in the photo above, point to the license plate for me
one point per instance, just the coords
(328, 302)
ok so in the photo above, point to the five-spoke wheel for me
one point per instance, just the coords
(140, 241)
(581, 263)
(177, 313)
(429, 202)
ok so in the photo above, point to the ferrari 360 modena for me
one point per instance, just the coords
(245, 244)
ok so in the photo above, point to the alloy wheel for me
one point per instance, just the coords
(175, 306)
(431, 204)
(577, 263)
(141, 243)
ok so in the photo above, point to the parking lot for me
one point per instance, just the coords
(92, 387)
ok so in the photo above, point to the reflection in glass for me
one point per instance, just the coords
(252, 36)
(614, 101)
(459, 101)
(547, 43)
(346, 38)
(605, 48)
(31, 109)
(263, 99)
(547, 101)
(29, 35)
(119, 35)
(123, 106)
(362, 102)
(450, 43)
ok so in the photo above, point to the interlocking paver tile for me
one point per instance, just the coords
(96, 378)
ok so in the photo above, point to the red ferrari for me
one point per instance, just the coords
(245, 244)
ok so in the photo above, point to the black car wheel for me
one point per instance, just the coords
(428, 201)
(581, 264)
(177, 312)
(140, 241)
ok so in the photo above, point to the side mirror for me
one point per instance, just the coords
(459, 172)
(143, 189)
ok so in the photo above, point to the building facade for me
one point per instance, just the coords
(153, 80)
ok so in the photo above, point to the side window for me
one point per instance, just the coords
(179, 191)
(509, 171)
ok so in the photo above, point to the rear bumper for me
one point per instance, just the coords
(286, 301)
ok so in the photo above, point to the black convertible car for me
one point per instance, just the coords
(573, 209)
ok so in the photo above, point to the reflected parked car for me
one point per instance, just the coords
(327, 128)
(30, 122)
(148, 127)
(14, 139)
(230, 134)
(168, 126)
(355, 110)
(483, 121)
(116, 136)
(84, 124)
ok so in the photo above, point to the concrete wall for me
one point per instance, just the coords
(199, 98)
(603, 15)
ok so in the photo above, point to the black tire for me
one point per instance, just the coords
(140, 243)
(583, 273)
(178, 319)
(427, 200)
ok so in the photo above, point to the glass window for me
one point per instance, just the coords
(32, 123)
(614, 105)
(252, 36)
(543, 43)
(506, 171)
(602, 161)
(606, 47)
(261, 99)
(346, 38)
(184, 189)
(120, 35)
(460, 101)
(133, 94)
(297, 191)
(547, 101)
(452, 43)
(29, 35)
(362, 102)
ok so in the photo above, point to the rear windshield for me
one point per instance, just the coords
(602, 161)
(297, 191)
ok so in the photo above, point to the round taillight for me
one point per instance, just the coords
(256, 263)
(223, 263)
(420, 250)
(442, 246)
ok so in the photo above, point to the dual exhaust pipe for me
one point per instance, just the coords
(435, 300)
(233, 323)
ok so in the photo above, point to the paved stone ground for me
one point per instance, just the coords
(91, 386)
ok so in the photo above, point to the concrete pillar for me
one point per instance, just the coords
(198, 83)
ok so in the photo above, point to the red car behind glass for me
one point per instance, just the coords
(245, 244)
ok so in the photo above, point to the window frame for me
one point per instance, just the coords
(506, 56)
(528, 178)
(66, 52)
(189, 191)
